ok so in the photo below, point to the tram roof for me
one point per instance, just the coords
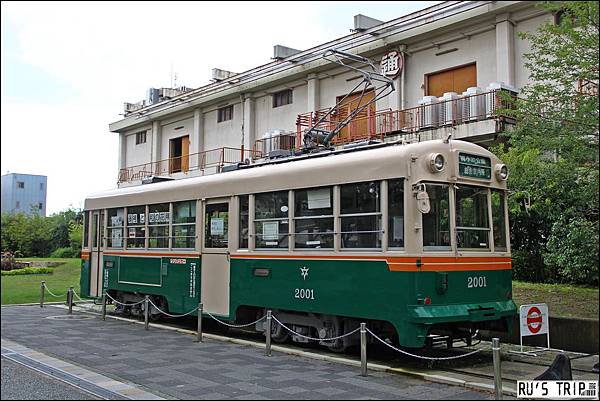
(321, 169)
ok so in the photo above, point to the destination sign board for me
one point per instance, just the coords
(474, 166)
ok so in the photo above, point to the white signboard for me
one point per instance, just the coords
(217, 226)
(270, 230)
(534, 320)
(319, 198)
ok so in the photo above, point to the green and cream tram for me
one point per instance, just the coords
(410, 238)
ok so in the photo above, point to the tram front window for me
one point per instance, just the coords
(436, 223)
(472, 223)
(498, 219)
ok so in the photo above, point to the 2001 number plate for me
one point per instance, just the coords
(476, 282)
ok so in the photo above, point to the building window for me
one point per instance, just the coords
(360, 215)
(225, 114)
(40, 206)
(453, 80)
(20, 184)
(18, 205)
(282, 98)
(140, 138)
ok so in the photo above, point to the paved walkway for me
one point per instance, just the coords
(169, 364)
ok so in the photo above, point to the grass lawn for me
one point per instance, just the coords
(26, 288)
(563, 300)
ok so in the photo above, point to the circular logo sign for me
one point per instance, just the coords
(391, 64)
(534, 320)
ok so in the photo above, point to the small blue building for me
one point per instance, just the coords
(24, 193)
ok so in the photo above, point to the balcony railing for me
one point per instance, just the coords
(424, 117)
(207, 162)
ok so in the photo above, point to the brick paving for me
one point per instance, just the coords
(169, 364)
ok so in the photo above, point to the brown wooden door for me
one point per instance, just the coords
(454, 80)
(359, 126)
(185, 153)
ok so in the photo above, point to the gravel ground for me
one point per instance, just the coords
(22, 383)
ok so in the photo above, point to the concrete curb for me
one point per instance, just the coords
(436, 378)
(91, 382)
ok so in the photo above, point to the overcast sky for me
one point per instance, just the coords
(68, 67)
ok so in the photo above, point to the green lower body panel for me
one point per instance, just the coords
(84, 278)
(368, 290)
(175, 279)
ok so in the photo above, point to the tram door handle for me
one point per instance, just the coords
(228, 256)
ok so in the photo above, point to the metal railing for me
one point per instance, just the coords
(424, 117)
(207, 162)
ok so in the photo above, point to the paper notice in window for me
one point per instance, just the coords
(116, 238)
(319, 198)
(398, 228)
(217, 226)
(270, 230)
(132, 233)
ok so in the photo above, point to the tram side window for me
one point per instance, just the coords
(396, 213)
(314, 218)
(360, 214)
(271, 219)
(184, 224)
(472, 223)
(115, 228)
(136, 230)
(498, 219)
(216, 223)
(86, 228)
(436, 223)
(244, 221)
(158, 225)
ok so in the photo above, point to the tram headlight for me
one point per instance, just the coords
(437, 162)
(501, 172)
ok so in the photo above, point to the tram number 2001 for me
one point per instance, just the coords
(476, 282)
(302, 293)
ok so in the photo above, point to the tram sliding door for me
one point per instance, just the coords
(215, 256)
(96, 254)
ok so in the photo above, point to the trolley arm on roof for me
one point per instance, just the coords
(383, 85)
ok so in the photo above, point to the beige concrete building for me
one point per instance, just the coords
(447, 63)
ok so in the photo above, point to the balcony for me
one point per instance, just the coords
(203, 163)
(473, 117)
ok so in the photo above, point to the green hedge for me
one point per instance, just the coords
(28, 270)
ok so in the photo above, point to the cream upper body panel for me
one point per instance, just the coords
(411, 161)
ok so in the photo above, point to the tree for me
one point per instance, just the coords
(552, 153)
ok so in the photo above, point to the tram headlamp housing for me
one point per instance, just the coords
(437, 162)
(501, 172)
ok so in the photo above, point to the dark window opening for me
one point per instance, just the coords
(20, 184)
(140, 138)
(225, 114)
(282, 98)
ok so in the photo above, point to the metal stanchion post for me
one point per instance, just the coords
(497, 368)
(146, 311)
(70, 300)
(42, 293)
(363, 349)
(104, 305)
(199, 332)
(268, 333)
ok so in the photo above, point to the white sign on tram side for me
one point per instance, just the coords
(534, 320)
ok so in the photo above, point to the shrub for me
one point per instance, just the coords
(65, 253)
(27, 270)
